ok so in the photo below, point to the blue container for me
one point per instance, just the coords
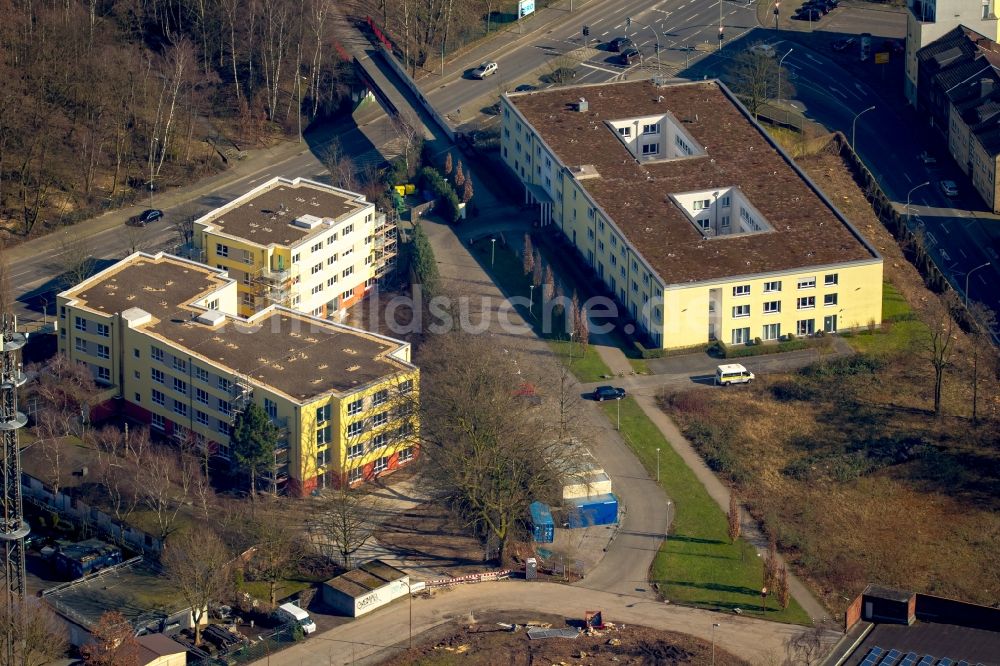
(543, 529)
(599, 510)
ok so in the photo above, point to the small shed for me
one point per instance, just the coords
(543, 528)
(365, 588)
(588, 511)
(84, 557)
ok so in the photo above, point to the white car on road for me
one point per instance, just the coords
(949, 188)
(484, 70)
(763, 49)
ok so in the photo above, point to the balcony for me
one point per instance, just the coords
(275, 277)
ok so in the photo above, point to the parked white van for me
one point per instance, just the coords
(732, 373)
(292, 613)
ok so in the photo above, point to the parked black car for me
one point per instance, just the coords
(608, 393)
(629, 56)
(843, 44)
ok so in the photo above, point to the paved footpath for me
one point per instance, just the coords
(384, 632)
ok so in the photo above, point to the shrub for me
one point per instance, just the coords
(788, 391)
(443, 192)
(846, 366)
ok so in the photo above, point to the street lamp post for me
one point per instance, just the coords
(656, 36)
(854, 123)
(618, 422)
(152, 159)
(908, 195)
(763, 600)
(493, 250)
(715, 625)
(967, 276)
(777, 10)
(780, 63)
(531, 297)
(657, 464)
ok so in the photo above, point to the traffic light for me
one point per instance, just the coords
(586, 31)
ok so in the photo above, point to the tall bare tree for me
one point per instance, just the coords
(755, 74)
(938, 343)
(734, 517)
(114, 642)
(38, 636)
(984, 322)
(199, 566)
(342, 521)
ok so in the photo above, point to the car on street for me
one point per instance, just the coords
(808, 15)
(525, 87)
(763, 49)
(629, 56)
(927, 158)
(145, 217)
(486, 69)
(843, 44)
(602, 393)
(948, 187)
(619, 44)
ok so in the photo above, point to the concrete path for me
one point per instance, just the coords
(385, 631)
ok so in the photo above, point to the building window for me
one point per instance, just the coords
(331, 281)
(724, 201)
(355, 429)
(180, 408)
(225, 407)
(805, 327)
(405, 454)
(380, 465)
(103, 374)
(296, 257)
(830, 279)
(201, 374)
(378, 441)
(222, 250)
(724, 221)
(81, 345)
(159, 422)
(356, 474)
(323, 458)
(651, 129)
(201, 395)
(806, 302)
(347, 295)
(225, 428)
(380, 419)
(180, 386)
(380, 397)
(103, 330)
(330, 261)
(324, 435)
(318, 288)
(316, 269)
(741, 290)
(355, 407)
(625, 132)
(158, 376)
(347, 271)
(270, 408)
(224, 384)
(317, 247)
(807, 283)
(771, 332)
(355, 451)
(138, 397)
(771, 307)
(828, 300)
(158, 397)
(323, 414)
(103, 351)
(406, 386)
(156, 354)
(650, 148)
(772, 286)
(200, 417)
(741, 311)
(348, 229)
(80, 324)
(702, 204)
(741, 336)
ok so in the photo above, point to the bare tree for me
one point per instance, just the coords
(137, 239)
(199, 566)
(781, 591)
(528, 257)
(343, 520)
(810, 647)
(755, 74)
(984, 321)
(734, 517)
(74, 261)
(938, 343)
(50, 428)
(114, 642)
(38, 637)
(157, 476)
(407, 129)
(277, 545)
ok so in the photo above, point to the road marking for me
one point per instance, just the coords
(930, 239)
(907, 177)
(602, 69)
(944, 228)
(860, 88)
(838, 91)
(814, 59)
(962, 252)
(944, 253)
(982, 279)
(606, 33)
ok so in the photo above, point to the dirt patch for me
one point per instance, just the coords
(847, 463)
(429, 534)
(486, 642)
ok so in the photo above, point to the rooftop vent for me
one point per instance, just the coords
(307, 221)
(583, 105)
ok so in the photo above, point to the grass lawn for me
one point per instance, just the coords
(260, 589)
(901, 334)
(697, 565)
(508, 273)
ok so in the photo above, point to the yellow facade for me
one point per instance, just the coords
(676, 316)
(184, 393)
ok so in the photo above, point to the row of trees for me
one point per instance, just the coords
(575, 322)
(99, 98)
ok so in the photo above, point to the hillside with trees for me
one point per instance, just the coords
(101, 97)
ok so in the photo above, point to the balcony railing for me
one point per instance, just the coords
(274, 276)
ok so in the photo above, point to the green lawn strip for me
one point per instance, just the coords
(902, 333)
(507, 271)
(260, 589)
(697, 565)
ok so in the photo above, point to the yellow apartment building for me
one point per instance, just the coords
(163, 334)
(298, 243)
(687, 212)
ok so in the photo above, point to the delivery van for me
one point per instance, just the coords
(291, 613)
(732, 373)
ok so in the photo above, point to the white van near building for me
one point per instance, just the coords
(292, 613)
(732, 373)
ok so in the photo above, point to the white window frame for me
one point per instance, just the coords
(806, 283)
(805, 303)
(772, 307)
(741, 311)
(830, 300)
(772, 287)
(741, 290)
